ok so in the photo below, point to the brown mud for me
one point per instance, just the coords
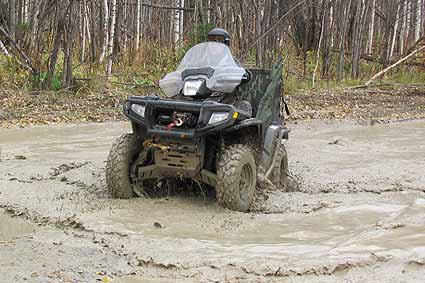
(356, 213)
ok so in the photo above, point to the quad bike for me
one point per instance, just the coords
(220, 125)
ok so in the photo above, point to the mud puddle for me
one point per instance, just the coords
(347, 158)
(67, 142)
(277, 235)
(360, 203)
(172, 219)
(12, 227)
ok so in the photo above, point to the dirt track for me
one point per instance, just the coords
(358, 213)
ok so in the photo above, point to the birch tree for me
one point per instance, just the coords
(139, 9)
(371, 27)
(393, 41)
(105, 30)
(111, 38)
(418, 23)
(404, 28)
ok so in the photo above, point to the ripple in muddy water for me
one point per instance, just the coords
(12, 228)
(283, 233)
(194, 231)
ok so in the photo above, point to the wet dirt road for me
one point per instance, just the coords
(357, 213)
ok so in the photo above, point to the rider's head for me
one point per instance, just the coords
(219, 35)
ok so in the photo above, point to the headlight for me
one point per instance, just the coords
(138, 109)
(191, 87)
(217, 117)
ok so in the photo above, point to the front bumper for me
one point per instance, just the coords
(203, 110)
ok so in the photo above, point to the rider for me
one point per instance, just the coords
(222, 36)
(219, 35)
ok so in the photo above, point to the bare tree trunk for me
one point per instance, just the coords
(105, 30)
(124, 17)
(111, 38)
(83, 29)
(12, 19)
(19, 19)
(371, 28)
(68, 49)
(320, 44)
(61, 12)
(25, 11)
(93, 32)
(139, 8)
(328, 39)
(395, 31)
(259, 58)
(418, 22)
(345, 9)
(409, 16)
(404, 28)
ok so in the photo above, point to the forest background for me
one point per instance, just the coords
(98, 49)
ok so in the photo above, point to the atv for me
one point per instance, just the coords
(220, 125)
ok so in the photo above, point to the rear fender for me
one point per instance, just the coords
(272, 141)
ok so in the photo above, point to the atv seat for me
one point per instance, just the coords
(264, 92)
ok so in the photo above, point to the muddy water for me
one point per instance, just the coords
(340, 231)
(12, 228)
(177, 222)
(69, 142)
(360, 200)
(373, 158)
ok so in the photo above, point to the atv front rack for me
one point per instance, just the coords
(151, 127)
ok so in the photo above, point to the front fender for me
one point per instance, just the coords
(253, 126)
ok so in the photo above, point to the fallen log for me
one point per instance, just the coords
(394, 65)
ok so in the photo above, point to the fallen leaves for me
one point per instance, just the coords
(104, 277)
(23, 109)
(397, 104)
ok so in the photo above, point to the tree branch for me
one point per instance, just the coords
(164, 7)
(24, 59)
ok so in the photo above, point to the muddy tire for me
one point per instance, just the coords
(279, 175)
(236, 178)
(123, 152)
